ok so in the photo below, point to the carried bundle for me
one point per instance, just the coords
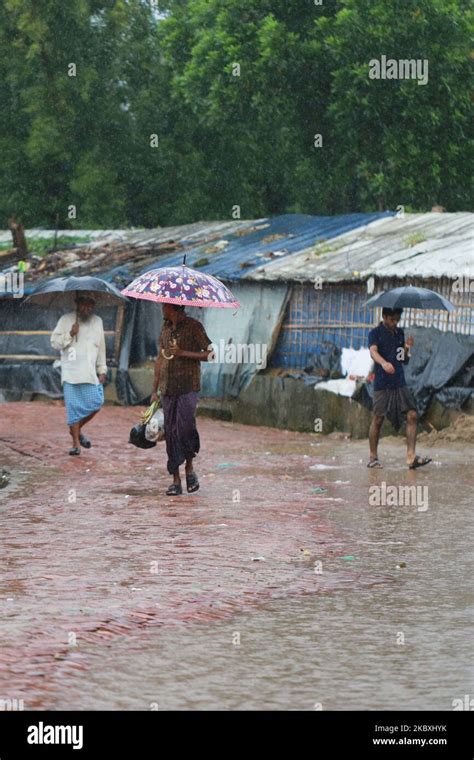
(151, 428)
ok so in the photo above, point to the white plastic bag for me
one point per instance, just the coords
(155, 428)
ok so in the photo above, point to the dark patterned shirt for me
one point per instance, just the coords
(180, 374)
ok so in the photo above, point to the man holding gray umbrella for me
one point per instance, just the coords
(79, 335)
(388, 349)
(392, 398)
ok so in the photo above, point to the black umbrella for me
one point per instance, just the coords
(410, 297)
(61, 292)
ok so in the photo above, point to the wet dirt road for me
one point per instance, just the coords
(280, 584)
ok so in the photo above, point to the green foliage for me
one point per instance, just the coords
(414, 239)
(41, 245)
(235, 94)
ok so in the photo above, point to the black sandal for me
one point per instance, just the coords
(375, 464)
(174, 490)
(74, 452)
(85, 443)
(192, 482)
(419, 462)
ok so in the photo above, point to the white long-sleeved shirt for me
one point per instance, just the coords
(82, 359)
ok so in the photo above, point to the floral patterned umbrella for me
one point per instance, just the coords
(181, 285)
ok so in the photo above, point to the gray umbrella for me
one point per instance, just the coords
(61, 292)
(410, 297)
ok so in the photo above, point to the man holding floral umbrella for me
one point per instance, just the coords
(183, 345)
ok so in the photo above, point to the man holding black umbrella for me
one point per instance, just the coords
(79, 335)
(392, 398)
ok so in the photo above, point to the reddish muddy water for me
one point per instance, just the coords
(294, 578)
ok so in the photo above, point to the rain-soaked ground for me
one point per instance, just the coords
(287, 582)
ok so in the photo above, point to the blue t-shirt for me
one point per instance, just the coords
(388, 343)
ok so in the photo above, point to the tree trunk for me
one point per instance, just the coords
(19, 239)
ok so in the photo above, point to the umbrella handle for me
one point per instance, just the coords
(174, 343)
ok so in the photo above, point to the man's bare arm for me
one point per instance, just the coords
(386, 366)
(200, 356)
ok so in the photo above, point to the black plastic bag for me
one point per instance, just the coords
(137, 437)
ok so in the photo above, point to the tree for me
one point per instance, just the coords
(396, 141)
(114, 114)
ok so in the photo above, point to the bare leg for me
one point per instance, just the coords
(189, 466)
(87, 419)
(411, 435)
(76, 442)
(177, 478)
(75, 432)
(175, 485)
(374, 435)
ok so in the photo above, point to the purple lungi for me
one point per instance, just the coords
(182, 437)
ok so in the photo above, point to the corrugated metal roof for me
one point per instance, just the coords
(272, 238)
(421, 245)
(186, 235)
(138, 237)
(229, 250)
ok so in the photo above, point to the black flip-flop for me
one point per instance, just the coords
(74, 452)
(192, 482)
(419, 462)
(174, 490)
(85, 443)
(375, 464)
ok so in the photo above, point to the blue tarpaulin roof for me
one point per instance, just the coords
(233, 250)
(247, 251)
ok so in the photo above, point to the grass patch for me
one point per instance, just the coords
(323, 246)
(417, 237)
(42, 246)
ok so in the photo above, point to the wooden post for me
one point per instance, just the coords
(118, 330)
(55, 243)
